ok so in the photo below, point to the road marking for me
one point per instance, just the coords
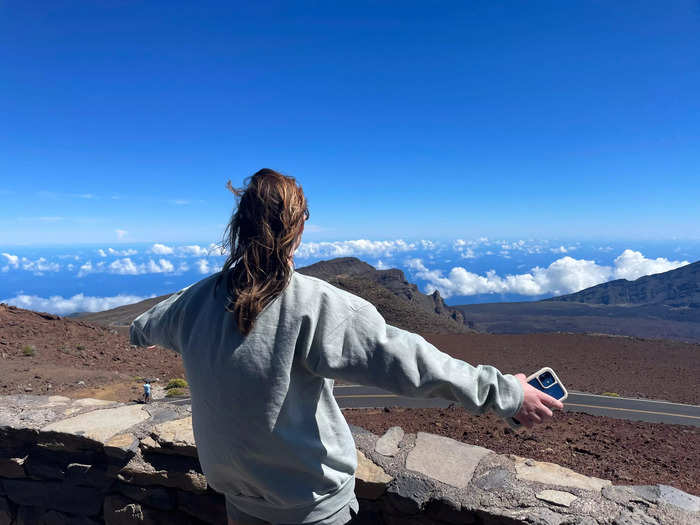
(631, 399)
(565, 404)
(632, 410)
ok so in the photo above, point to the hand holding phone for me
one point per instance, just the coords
(542, 390)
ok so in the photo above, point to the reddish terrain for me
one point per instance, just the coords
(67, 352)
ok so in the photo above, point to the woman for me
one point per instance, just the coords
(261, 346)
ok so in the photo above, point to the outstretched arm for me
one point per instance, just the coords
(366, 350)
(159, 325)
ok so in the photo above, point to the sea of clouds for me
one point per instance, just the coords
(66, 279)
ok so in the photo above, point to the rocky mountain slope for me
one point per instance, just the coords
(679, 287)
(664, 305)
(399, 301)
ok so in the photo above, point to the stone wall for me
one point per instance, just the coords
(84, 462)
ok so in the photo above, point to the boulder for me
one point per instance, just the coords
(445, 459)
(370, 480)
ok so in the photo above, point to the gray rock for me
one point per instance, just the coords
(446, 510)
(12, 467)
(370, 479)
(558, 497)
(388, 444)
(209, 507)
(39, 467)
(553, 474)
(409, 494)
(38, 516)
(666, 494)
(53, 495)
(634, 517)
(493, 479)
(157, 497)
(168, 473)
(176, 437)
(6, 511)
(445, 459)
(122, 446)
(121, 511)
(98, 476)
(100, 425)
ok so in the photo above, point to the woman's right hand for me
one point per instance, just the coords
(535, 405)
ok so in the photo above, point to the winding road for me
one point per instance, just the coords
(357, 396)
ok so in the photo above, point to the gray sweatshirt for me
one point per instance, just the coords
(269, 433)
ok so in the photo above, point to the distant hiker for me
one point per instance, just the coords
(147, 391)
(261, 345)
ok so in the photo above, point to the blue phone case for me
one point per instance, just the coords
(544, 380)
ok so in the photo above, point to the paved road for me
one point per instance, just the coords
(356, 396)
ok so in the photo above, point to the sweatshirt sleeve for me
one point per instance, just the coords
(159, 325)
(366, 350)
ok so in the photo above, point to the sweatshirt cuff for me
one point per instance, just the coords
(518, 387)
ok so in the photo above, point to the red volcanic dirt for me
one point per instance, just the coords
(629, 366)
(67, 351)
(625, 452)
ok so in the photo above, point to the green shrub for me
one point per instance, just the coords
(80, 347)
(176, 383)
(28, 350)
(174, 392)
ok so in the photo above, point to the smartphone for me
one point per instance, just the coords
(546, 381)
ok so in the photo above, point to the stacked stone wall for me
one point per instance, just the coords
(87, 462)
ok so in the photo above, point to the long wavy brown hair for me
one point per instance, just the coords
(260, 237)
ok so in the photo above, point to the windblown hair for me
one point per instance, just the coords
(260, 238)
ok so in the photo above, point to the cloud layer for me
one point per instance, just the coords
(357, 247)
(565, 275)
(78, 303)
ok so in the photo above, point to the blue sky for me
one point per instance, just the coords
(493, 151)
(122, 120)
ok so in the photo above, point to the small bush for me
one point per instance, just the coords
(80, 347)
(28, 350)
(176, 383)
(174, 392)
(611, 394)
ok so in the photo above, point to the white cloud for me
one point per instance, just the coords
(203, 266)
(39, 265)
(565, 275)
(179, 202)
(78, 303)
(12, 260)
(353, 248)
(102, 252)
(193, 250)
(122, 253)
(126, 266)
(561, 249)
(161, 249)
(85, 269)
(217, 249)
(162, 266)
(381, 265)
(632, 265)
(121, 233)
